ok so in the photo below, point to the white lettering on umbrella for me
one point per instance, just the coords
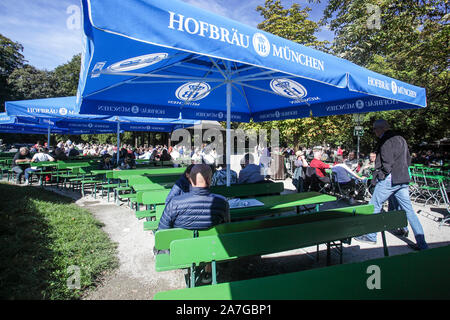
(393, 86)
(260, 42)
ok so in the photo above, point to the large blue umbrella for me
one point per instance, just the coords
(10, 124)
(160, 58)
(61, 114)
(157, 58)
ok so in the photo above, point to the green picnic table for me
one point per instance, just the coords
(282, 202)
(272, 205)
(98, 172)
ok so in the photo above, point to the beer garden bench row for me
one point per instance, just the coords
(259, 237)
(377, 279)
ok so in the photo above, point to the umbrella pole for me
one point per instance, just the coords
(228, 149)
(118, 141)
(48, 138)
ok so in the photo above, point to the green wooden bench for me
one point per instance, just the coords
(415, 275)
(248, 189)
(154, 202)
(143, 183)
(235, 190)
(67, 170)
(163, 238)
(275, 204)
(157, 171)
(222, 247)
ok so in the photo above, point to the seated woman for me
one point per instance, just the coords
(127, 163)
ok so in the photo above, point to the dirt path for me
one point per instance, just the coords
(136, 278)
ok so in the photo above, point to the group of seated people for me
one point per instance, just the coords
(347, 173)
(23, 160)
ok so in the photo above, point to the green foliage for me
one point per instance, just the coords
(11, 58)
(66, 77)
(30, 83)
(411, 44)
(293, 24)
(42, 235)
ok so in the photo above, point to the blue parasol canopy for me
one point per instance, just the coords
(10, 124)
(61, 113)
(164, 58)
(159, 58)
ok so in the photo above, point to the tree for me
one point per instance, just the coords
(407, 40)
(293, 24)
(11, 58)
(66, 77)
(28, 82)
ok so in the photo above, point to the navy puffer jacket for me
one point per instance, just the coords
(195, 210)
(180, 187)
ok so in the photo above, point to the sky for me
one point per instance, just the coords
(50, 33)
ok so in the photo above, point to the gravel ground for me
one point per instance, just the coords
(136, 278)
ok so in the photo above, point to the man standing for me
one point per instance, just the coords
(391, 177)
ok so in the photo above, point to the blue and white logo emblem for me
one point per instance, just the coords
(135, 109)
(394, 87)
(261, 44)
(220, 115)
(138, 62)
(193, 91)
(90, 125)
(359, 104)
(63, 111)
(277, 114)
(288, 88)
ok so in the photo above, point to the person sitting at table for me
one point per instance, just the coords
(368, 165)
(165, 156)
(35, 148)
(196, 210)
(351, 161)
(106, 163)
(59, 153)
(320, 167)
(181, 186)
(71, 151)
(20, 163)
(347, 179)
(126, 164)
(219, 177)
(299, 174)
(39, 156)
(250, 173)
